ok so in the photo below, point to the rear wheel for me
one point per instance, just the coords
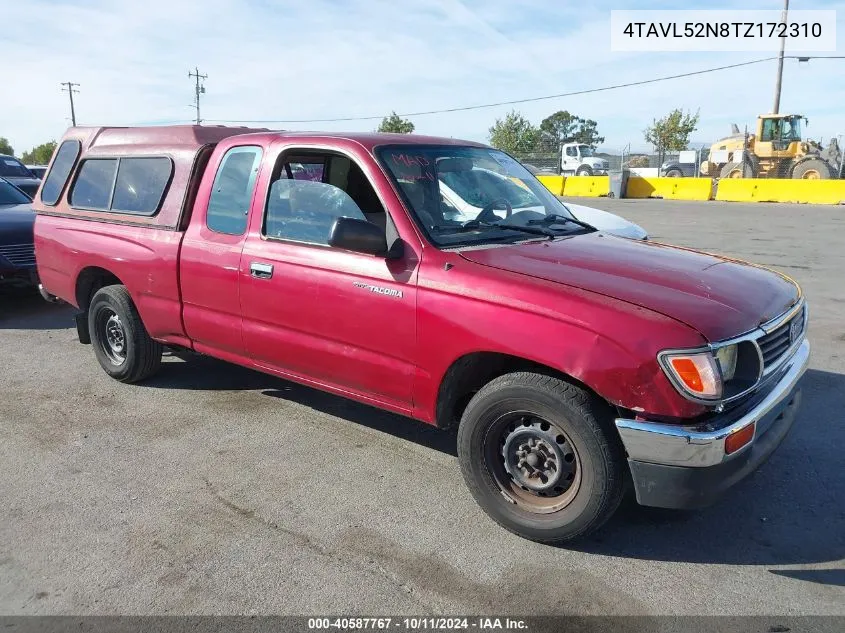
(121, 343)
(540, 457)
(812, 169)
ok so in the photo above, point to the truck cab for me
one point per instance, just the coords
(569, 359)
(579, 159)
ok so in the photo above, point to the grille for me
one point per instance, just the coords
(774, 344)
(19, 254)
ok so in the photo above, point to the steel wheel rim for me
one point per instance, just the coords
(111, 335)
(533, 462)
(811, 174)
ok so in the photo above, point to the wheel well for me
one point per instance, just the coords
(471, 372)
(89, 281)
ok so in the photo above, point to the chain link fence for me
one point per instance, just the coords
(807, 159)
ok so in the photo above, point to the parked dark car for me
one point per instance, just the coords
(38, 170)
(15, 172)
(674, 169)
(17, 254)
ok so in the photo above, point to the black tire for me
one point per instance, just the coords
(812, 169)
(674, 173)
(584, 170)
(112, 318)
(587, 425)
(737, 170)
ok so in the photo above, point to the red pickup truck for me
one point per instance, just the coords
(572, 362)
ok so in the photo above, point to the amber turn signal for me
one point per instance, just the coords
(697, 374)
(738, 439)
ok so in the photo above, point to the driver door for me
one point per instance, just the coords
(331, 317)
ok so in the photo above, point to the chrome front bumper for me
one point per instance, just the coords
(686, 466)
(701, 447)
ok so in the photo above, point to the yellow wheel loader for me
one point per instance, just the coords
(776, 150)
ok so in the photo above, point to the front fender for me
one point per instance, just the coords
(608, 345)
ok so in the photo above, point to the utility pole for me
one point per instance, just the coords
(198, 90)
(780, 59)
(70, 88)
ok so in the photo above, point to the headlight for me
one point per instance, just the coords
(726, 359)
(727, 372)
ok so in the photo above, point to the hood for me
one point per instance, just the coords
(16, 224)
(720, 298)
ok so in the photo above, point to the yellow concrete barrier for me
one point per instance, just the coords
(781, 190)
(670, 188)
(553, 183)
(590, 186)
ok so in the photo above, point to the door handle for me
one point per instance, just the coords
(261, 271)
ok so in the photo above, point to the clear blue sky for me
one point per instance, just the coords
(276, 59)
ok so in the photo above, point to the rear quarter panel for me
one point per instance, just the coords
(143, 258)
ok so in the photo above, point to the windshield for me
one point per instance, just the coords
(466, 195)
(791, 130)
(11, 195)
(12, 168)
(586, 150)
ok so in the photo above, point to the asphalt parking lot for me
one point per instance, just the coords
(214, 489)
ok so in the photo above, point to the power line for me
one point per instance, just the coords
(800, 58)
(198, 90)
(70, 88)
(512, 101)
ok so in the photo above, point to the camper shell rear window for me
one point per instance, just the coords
(133, 185)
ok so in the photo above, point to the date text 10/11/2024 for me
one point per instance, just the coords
(417, 624)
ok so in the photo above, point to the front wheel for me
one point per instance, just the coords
(121, 343)
(541, 457)
(584, 170)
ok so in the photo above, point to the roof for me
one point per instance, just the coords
(169, 135)
(199, 135)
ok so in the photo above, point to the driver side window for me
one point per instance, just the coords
(311, 191)
(305, 210)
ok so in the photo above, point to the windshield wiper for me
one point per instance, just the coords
(553, 218)
(472, 225)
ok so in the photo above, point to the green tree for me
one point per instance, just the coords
(588, 133)
(514, 133)
(395, 123)
(672, 132)
(564, 127)
(5, 148)
(39, 155)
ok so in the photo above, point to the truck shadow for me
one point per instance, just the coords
(26, 310)
(789, 512)
(204, 373)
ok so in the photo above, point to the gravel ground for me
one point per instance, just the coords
(215, 490)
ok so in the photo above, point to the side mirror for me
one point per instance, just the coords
(359, 236)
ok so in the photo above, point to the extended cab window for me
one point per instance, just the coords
(56, 180)
(231, 194)
(92, 189)
(309, 194)
(140, 184)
